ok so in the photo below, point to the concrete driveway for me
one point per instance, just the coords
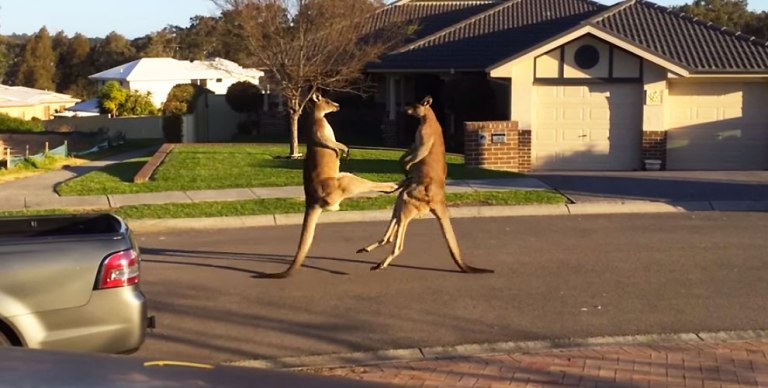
(666, 186)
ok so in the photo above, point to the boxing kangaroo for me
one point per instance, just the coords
(324, 186)
(423, 190)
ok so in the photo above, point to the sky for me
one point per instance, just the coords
(97, 18)
(135, 18)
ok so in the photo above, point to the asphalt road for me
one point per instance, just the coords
(556, 277)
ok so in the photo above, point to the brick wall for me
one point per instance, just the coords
(655, 146)
(511, 151)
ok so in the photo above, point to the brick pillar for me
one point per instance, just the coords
(655, 146)
(497, 145)
(389, 132)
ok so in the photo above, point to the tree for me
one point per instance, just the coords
(199, 40)
(160, 44)
(38, 64)
(137, 104)
(308, 45)
(75, 67)
(246, 98)
(111, 95)
(727, 13)
(113, 50)
(180, 101)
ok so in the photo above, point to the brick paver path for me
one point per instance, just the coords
(703, 364)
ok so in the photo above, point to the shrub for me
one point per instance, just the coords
(13, 124)
(138, 104)
(182, 98)
(244, 97)
(181, 101)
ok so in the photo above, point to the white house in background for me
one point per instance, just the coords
(159, 75)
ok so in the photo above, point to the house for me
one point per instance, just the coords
(28, 103)
(159, 75)
(577, 85)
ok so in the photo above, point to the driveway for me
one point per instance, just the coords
(666, 186)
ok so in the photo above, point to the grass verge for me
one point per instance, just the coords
(289, 205)
(201, 167)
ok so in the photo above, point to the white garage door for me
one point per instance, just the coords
(587, 127)
(718, 126)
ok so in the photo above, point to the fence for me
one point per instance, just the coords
(11, 160)
(140, 127)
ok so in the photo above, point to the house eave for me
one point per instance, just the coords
(425, 70)
(496, 70)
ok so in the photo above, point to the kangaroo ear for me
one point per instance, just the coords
(316, 97)
(427, 101)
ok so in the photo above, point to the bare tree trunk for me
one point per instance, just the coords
(295, 112)
(295, 135)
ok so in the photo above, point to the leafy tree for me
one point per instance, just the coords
(308, 45)
(113, 50)
(137, 104)
(111, 96)
(160, 44)
(200, 39)
(727, 13)
(38, 64)
(244, 97)
(75, 67)
(758, 26)
(6, 58)
(182, 98)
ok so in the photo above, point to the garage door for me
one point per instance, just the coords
(718, 126)
(587, 127)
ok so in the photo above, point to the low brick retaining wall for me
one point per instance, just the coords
(154, 162)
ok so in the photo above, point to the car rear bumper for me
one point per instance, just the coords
(113, 321)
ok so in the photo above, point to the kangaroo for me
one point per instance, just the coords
(423, 190)
(324, 186)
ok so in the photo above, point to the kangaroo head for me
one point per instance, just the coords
(323, 105)
(419, 109)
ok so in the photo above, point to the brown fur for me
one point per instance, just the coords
(424, 191)
(324, 186)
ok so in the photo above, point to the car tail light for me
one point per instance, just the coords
(119, 269)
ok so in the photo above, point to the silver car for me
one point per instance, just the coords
(71, 283)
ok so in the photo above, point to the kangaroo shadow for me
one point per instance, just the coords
(260, 258)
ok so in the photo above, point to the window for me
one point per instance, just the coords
(586, 56)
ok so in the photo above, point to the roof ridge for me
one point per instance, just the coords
(609, 11)
(705, 23)
(502, 4)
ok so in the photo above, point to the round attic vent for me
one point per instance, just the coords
(586, 56)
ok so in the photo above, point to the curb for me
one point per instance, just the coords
(618, 207)
(467, 350)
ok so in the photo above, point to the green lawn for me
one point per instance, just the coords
(287, 205)
(200, 167)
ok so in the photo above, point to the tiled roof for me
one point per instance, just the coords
(431, 15)
(476, 38)
(477, 42)
(696, 44)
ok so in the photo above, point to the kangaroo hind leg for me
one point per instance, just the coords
(311, 215)
(441, 212)
(389, 236)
